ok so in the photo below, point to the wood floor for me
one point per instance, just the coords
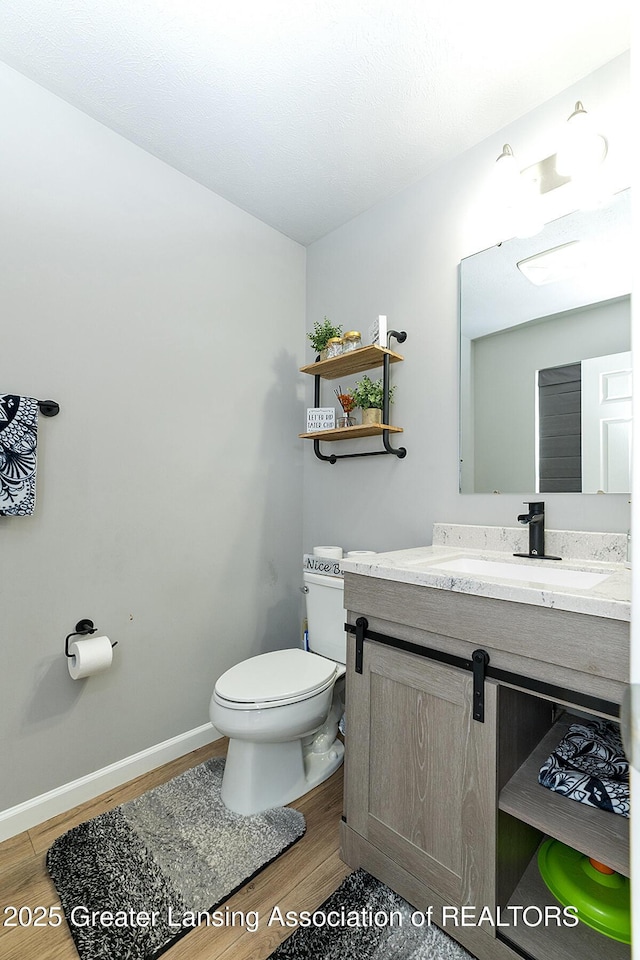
(300, 879)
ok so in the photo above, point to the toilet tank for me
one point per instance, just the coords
(326, 615)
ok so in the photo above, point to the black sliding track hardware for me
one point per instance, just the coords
(361, 626)
(481, 669)
(480, 662)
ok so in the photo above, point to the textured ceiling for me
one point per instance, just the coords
(307, 112)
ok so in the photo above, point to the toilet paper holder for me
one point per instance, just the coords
(83, 628)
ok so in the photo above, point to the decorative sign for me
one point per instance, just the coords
(379, 331)
(320, 418)
(324, 565)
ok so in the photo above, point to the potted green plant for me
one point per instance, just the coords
(368, 395)
(321, 334)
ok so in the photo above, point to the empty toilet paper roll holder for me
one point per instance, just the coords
(83, 628)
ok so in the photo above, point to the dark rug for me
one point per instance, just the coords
(137, 878)
(372, 923)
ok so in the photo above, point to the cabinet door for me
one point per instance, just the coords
(421, 773)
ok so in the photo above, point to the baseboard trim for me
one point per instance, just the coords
(32, 812)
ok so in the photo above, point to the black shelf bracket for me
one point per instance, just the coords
(399, 452)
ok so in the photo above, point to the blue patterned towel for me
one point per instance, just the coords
(589, 765)
(18, 439)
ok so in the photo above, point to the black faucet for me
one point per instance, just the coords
(535, 519)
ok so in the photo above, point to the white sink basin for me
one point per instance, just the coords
(529, 572)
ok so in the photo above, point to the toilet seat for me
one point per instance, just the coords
(275, 679)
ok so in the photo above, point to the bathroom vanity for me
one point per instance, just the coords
(461, 679)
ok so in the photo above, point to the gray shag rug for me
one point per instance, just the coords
(135, 879)
(372, 923)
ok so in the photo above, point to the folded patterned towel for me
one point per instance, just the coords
(589, 765)
(18, 439)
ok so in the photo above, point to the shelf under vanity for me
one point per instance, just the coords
(597, 833)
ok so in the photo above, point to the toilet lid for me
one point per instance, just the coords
(271, 677)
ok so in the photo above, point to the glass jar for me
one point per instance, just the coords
(346, 421)
(352, 340)
(334, 347)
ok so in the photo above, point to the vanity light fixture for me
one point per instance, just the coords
(581, 152)
(582, 149)
(507, 160)
(507, 175)
(517, 196)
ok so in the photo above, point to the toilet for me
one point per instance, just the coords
(281, 710)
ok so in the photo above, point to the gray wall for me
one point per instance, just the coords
(401, 259)
(505, 366)
(172, 488)
(168, 325)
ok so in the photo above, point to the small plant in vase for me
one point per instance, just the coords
(368, 395)
(321, 334)
(347, 403)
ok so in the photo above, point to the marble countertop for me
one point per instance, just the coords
(419, 565)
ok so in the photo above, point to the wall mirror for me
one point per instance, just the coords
(545, 358)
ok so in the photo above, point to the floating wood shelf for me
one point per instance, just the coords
(356, 361)
(594, 832)
(350, 433)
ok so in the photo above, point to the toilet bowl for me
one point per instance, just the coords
(281, 712)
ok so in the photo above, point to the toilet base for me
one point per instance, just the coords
(259, 776)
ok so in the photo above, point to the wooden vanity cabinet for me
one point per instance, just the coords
(446, 810)
(421, 784)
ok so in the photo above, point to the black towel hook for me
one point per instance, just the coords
(49, 408)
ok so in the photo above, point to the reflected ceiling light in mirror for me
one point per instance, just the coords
(564, 262)
(582, 148)
(576, 262)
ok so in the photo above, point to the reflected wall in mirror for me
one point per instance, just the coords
(545, 362)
